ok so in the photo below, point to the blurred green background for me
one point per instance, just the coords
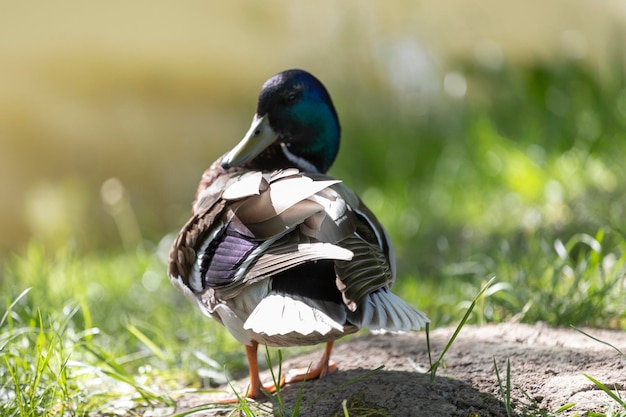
(109, 112)
(489, 137)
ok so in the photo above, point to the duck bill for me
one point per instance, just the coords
(259, 137)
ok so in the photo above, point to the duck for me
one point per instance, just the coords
(277, 251)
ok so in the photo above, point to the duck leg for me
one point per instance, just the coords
(256, 389)
(323, 368)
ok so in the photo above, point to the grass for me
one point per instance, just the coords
(440, 361)
(616, 407)
(517, 186)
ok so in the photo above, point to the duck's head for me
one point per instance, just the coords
(295, 125)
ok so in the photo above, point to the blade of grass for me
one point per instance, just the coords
(564, 408)
(146, 341)
(13, 303)
(430, 357)
(276, 377)
(344, 407)
(435, 366)
(296, 409)
(532, 408)
(604, 388)
(505, 392)
(599, 340)
(205, 407)
(112, 369)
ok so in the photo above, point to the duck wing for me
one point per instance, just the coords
(250, 226)
(308, 233)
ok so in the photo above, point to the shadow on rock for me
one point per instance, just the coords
(387, 393)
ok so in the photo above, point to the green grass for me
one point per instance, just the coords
(507, 182)
(528, 407)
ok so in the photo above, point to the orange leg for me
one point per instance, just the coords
(257, 390)
(323, 368)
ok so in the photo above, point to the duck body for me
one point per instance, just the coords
(277, 251)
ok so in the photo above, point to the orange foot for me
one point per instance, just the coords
(319, 371)
(258, 391)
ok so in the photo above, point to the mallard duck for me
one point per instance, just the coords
(277, 251)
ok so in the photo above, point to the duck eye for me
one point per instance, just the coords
(291, 98)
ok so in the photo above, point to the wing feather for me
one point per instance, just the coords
(264, 224)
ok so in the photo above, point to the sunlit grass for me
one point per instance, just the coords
(59, 349)
(523, 184)
(98, 333)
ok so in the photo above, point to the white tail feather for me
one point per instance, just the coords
(279, 314)
(383, 310)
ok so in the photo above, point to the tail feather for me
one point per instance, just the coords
(383, 310)
(280, 314)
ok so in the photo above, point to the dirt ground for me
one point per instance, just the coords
(547, 367)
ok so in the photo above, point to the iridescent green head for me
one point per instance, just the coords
(295, 125)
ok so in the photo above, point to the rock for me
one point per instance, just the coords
(547, 367)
